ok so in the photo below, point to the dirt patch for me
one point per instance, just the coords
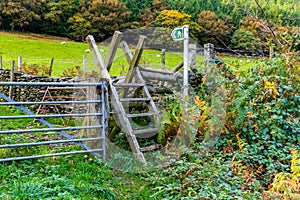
(33, 36)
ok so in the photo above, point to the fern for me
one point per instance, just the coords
(287, 185)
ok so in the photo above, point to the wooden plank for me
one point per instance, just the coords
(135, 99)
(98, 58)
(139, 115)
(178, 67)
(113, 49)
(134, 62)
(158, 77)
(160, 71)
(145, 133)
(126, 51)
(129, 84)
(138, 52)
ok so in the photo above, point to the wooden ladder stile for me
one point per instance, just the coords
(118, 96)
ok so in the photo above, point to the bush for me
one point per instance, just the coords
(244, 40)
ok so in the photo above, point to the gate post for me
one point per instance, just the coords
(11, 78)
(208, 53)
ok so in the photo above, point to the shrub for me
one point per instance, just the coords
(212, 28)
(244, 40)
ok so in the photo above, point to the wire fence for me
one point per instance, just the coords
(81, 66)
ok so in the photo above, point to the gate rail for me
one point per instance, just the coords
(101, 101)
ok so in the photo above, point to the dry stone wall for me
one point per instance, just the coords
(33, 93)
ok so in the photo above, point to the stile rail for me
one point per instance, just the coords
(98, 140)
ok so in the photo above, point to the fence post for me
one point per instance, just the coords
(84, 66)
(51, 64)
(192, 56)
(0, 62)
(11, 78)
(19, 63)
(208, 53)
(163, 58)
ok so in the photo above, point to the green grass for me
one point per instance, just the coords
(68, 177)
(39, 49)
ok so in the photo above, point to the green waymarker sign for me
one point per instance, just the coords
(177, 34)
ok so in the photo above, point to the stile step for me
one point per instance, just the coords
(139, 115)
(135, 99)
(145, 133)
(129, 84)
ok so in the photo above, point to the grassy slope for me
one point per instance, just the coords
(39, 49)
(35, 50)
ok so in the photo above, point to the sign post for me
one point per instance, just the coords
(182, 33)
(186, 60)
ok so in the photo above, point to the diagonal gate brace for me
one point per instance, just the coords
(66, 135)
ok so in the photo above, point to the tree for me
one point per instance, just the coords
(56, 19)
(21, 14)
(79, 28)
(173, 18)
(99, 18)
(168, 20)
(250, 23)
(244, 40)
(147, 18)
(136, 7)
(213, 29)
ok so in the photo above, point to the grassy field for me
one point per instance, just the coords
(39, 49)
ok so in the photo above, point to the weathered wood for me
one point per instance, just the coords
(134, 62)
(51, 66)
(120, 112)
(145, 133)
(208, 52)
(160, 71)
(12, 72)
(19, 63)
(140, 115)
(129, 84)
(192, 55)
(163, 58)
(178, 67)
(153, 108)
(134, 99)
(136, 58)
(84, 66)
(125, 126)
(126, 51)
(98, 58)
(159, 77)
(138, 52)
(113, 49)
(1, 62)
